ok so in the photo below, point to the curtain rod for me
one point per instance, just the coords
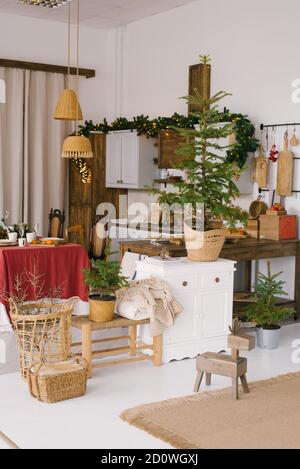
(291, 124)
(38, 67)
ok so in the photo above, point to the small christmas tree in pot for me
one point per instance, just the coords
(264, 313)
(104, 279)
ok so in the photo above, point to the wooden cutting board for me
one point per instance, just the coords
(285, 167)
(261, 169)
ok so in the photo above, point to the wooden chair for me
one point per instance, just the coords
(77, 230)
(56, 223)
(99, 237)
(232, 366)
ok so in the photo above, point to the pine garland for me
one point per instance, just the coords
(244, 131)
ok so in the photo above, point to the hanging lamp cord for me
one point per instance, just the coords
(77, 71)
(69, 41)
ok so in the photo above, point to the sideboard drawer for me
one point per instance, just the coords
(184, 283)
(217, 280)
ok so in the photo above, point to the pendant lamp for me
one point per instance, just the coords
(77, 146)
(68, 107)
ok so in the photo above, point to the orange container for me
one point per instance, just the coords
(278, 228)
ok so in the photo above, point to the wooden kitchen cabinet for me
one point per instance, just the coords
(205, 291)
(129, 160)
(84, 198)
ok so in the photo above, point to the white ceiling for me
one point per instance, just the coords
(103, 14)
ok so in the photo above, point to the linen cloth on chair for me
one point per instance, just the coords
(153, 298)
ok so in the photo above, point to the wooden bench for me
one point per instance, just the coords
(133, 347)
(233, 366)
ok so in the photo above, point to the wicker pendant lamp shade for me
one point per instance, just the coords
(77, 146)
(68, 107)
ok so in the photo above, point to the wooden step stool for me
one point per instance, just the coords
(233, 365)
(133, 347)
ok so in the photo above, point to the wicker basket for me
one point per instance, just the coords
(203, 246)
(257, 208)
(43, 332)
(56, 382)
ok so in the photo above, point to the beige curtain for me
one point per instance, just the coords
(11, 144)
(33, 174)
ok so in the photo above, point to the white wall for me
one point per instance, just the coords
(254, 48)
(35, 40)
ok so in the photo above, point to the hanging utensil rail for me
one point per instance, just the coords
(268, 126)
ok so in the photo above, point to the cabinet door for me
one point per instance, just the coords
(130, 160)
(113, 159)
(216, 314)
(184, 328)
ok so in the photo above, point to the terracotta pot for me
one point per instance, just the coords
(101, 309)
(203, 246)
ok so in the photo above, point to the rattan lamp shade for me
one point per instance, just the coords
(77, 146)
(68, 107)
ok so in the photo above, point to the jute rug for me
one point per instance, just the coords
(268, 417)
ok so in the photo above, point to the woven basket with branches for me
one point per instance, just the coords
(43, 332)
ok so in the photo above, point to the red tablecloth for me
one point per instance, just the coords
(61, 267)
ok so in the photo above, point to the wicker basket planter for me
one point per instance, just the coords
(56, 382)
(203, 246)
(43, 333)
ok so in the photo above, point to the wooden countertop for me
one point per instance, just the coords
(244, 249)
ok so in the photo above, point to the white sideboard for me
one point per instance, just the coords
(129, 160)
(205, 291)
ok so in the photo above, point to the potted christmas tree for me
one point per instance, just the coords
(208, 190)
(104, 279)
(264, 313)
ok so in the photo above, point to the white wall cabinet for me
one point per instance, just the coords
(205, 291)
(129, 160)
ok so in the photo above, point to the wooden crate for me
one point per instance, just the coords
(252, 228)
(278, 228)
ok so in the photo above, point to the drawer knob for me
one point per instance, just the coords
(217, 280)
(184, 284)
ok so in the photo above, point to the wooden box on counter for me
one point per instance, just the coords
(252, 228)
(278, 227)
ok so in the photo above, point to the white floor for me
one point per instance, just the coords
(92, 421)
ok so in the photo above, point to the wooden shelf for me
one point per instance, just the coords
(166, 181)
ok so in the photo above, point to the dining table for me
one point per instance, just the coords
(54, 272)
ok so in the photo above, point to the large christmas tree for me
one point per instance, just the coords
(209, 176)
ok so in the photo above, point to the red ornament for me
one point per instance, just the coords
(273, 154)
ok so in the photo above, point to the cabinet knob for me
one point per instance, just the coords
(217, 280)
(184, 284)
